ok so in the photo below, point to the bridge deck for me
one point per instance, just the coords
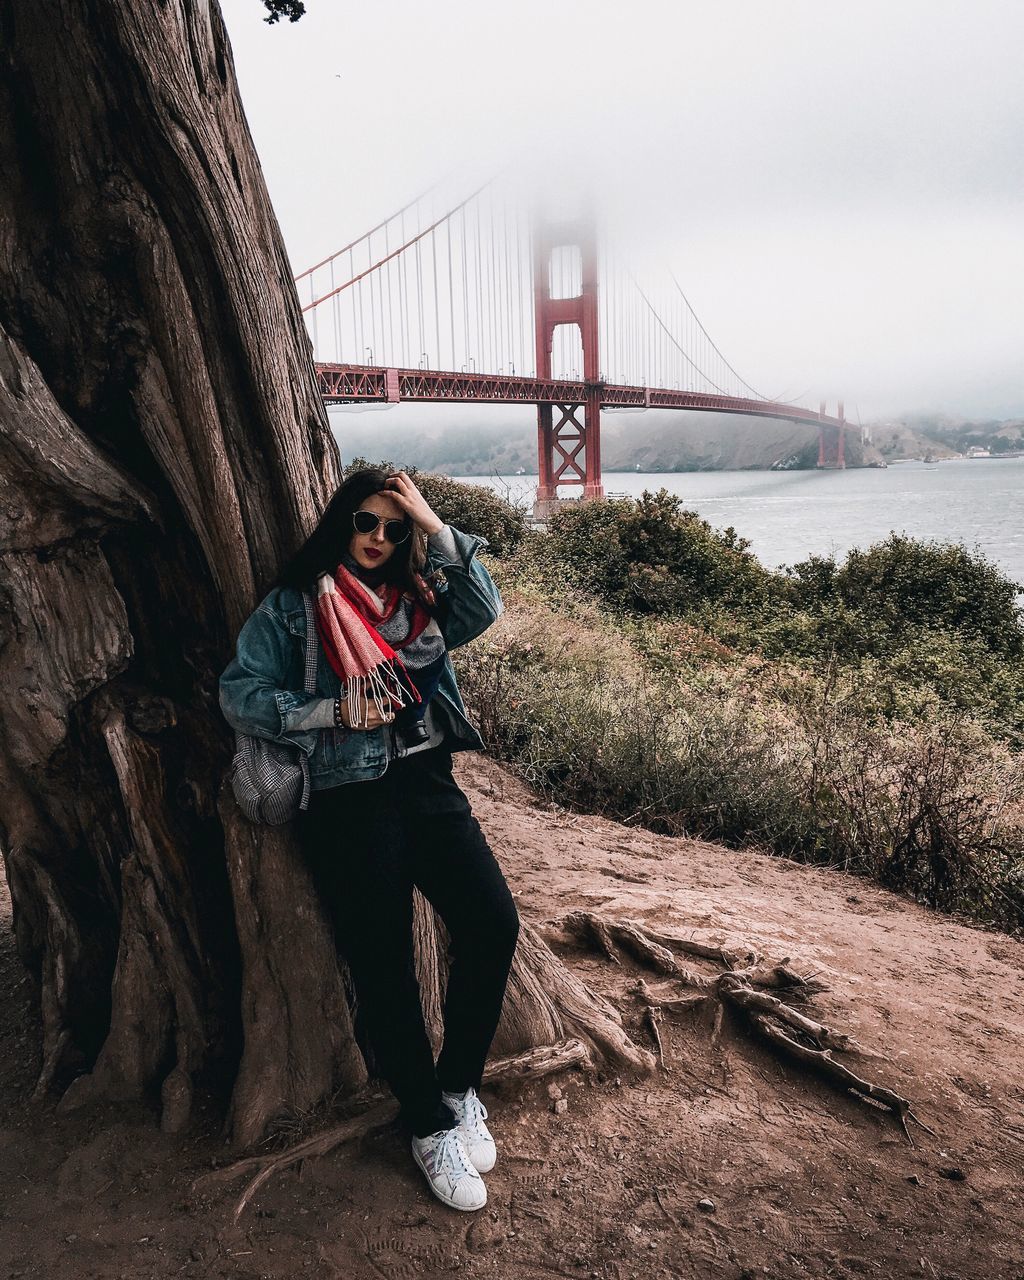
(349, 383)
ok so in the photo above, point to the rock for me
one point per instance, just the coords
(176, 1099)
(554, 1092)
(79, 1093)
(708, 1206)
(953, 1173)
(914, 1180)
(485, 1233)
(560, 1106)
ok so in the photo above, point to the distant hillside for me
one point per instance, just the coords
(667, 441)
(897, 442)
(662, 440)
(657, 440)
(961, 434)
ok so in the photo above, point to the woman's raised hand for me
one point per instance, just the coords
(413, 503)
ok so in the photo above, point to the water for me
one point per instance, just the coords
(789, 515)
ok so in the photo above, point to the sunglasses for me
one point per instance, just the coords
(395, 531)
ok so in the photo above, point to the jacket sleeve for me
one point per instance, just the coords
(471, 600)
(256, 693)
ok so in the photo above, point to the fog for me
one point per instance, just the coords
(840, 190)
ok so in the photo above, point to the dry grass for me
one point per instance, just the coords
(751, 754)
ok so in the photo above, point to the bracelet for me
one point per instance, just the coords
(338, 722)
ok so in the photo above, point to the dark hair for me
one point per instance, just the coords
(323, 549)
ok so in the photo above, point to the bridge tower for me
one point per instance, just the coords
(838, 460)
(569, 449)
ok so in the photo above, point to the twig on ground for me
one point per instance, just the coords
(653, 1016)
(534, 1062)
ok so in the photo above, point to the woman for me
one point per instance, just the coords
(385, 813)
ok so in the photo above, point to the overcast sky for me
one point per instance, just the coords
(839, 188)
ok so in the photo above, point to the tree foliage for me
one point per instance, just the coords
(278, 9)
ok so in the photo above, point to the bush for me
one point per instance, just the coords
(790, 762)
(472, 508)
(652, 556)
(889, 593)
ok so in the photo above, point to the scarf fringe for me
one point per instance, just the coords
(381, 688)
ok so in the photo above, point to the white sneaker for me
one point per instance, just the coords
(449, 1173)
(470, 1114)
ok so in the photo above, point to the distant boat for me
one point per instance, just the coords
(879, 464)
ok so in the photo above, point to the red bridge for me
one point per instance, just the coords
(481, 306)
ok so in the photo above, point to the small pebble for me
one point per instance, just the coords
(707, 1205)
(560, 1106)
(554, 1091)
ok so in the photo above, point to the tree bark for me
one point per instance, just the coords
(162, 450)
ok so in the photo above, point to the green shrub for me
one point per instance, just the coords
(472, 508)
(898, 587)
(793, 762)
(652, 556)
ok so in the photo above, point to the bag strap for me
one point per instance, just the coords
(312, 644)
(309, 686)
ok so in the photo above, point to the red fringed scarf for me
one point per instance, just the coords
(348, 613)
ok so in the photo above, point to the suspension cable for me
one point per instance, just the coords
(742, 381)
(401, 249)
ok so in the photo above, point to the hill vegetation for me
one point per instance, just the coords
(662, 441)
(866, 714)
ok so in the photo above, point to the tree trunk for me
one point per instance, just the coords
(162, 450)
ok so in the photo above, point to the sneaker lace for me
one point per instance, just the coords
(452, 1154)
(475, 1112)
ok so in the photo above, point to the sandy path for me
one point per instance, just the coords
(804, 1182)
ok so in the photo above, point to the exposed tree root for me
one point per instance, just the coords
(821, 1060)
(785, 1028)
(264, 1167)
(706, 951)
(759, 1001)
(664, 1000)
(534, 1062)
(631, 938)
(545, 1003)
(545, 1060)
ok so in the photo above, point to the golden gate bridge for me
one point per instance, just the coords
(482, 303)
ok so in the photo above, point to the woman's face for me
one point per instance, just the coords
(371, 550)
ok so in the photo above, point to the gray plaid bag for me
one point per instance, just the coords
(271, 779)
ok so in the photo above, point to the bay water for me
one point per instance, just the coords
(790, 515)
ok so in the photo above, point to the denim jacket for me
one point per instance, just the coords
(261, 691)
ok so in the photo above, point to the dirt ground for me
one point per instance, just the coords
(802, 1180)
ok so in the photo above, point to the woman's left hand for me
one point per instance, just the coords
(413, 503)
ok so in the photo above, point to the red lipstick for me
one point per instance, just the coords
(372, 552)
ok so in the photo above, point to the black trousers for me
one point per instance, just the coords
(368, 844)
